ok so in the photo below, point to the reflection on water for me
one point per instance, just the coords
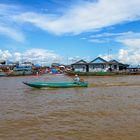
(109, 109)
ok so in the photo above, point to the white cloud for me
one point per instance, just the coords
(4, 55)
(12, 33)
(81, 17)
(7, 26)
(109, 37)
(101, 40)
(108, 34)
(17, 56)
(130, 53)
(131, 42)
(41, 56)
(87, 16)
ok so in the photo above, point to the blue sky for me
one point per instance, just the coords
(65, 31)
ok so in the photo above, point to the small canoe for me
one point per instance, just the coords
(55, 85)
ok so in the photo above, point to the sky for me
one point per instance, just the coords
(65, 31)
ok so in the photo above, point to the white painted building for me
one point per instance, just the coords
(80, 66)
(98, 65)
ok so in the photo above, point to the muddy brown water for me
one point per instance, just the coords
(109, 109)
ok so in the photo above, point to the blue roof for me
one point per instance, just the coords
(37, 65)
(134, 66)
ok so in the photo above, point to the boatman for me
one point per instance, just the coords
(77, 79)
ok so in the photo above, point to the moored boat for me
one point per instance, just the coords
(21, 71)
(55, 85)
(3, 74)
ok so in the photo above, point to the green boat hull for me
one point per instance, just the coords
(55, 85)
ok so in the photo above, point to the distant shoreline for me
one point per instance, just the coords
(102, 73)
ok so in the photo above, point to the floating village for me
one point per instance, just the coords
(98, 66)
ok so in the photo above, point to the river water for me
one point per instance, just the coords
(109, 109)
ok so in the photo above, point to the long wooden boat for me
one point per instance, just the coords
(55, 85)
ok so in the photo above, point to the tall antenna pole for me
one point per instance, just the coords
(109, 53)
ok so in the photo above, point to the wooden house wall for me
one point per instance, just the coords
(98, 67)
(80, 68)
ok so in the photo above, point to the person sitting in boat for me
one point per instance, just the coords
(77, 79)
